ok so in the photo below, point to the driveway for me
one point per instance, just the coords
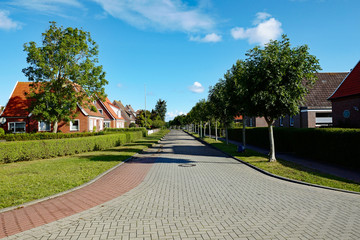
(195, 192)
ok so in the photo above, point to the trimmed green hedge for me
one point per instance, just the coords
(47, 135)
(117, 130)
(335, 145)
(40, 149)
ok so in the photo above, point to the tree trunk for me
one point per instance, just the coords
(204, 129)
(216, 136)
(243, 133)
(200, 132)
(226, 135)
(209, 129)
(55, 128)
(272, 157)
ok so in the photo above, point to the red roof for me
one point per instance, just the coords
(108, 105)
(238, 117)
(18, 103)
(350, 85)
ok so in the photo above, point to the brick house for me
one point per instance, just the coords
(19, 119)
(316, 111)
(127, 112)
(113, 118)
(345, 100)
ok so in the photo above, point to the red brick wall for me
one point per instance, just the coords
(342, 104)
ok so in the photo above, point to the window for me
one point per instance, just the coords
(44, 126)
(291, 121)
(100, 111)
(17, 127)
(281, 121)
(106, 124)
(75, 125)
(251, 122)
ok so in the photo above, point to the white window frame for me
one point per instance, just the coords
(71, 125)
(281, 121)
(15, 126)
(107, 122)
(291, 121)
(39, 129)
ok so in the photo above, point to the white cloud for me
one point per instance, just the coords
(159, 14)
(171, 115)
(6, 22)
(196, 88)
(119, 85)
(266, 29)
(46, 6)
(212, 37)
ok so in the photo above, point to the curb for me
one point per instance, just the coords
(271, 174)
(78, 187)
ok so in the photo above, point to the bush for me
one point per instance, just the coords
(132, 125)
(47, 135)
(117, 130)
(333, 145)
(2, 132)
(31, 150)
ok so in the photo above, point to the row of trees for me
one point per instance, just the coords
(271, 82)
(153, 119)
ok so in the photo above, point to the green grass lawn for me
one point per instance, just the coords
(285, 168)
(22, 182)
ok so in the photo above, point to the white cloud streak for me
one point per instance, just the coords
(171, 115)
(170, 15)
(266, 29)
(196, 88)
(46, 6)
(7, 23)
(212, 37)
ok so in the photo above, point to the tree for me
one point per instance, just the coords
(64, 74)
(160, 108)
(277, 79)
(223, 106)
(141, 121)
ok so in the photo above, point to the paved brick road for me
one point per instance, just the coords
(219, 198)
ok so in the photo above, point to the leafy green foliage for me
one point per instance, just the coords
(125, 130)
(47, 135)
(64, 73)
(277, 78)
(160, 109)
(31, 150)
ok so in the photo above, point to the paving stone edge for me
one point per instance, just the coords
(78, 187)
(271, 174)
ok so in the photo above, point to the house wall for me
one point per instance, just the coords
(352, 104)
(84, 124)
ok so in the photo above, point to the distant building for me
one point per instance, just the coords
(19, 119)
(127, 112)
(316, 111)
(345, 100)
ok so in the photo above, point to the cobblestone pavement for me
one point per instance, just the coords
(195, 192)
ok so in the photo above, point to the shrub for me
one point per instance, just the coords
(2, 132)
(132, 125)
(40, 149)
(333, 145)
(47, 135)
(117, 130)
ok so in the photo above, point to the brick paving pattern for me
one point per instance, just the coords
(110, 186)
(218, 198)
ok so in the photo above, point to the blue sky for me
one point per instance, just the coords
(178, 48)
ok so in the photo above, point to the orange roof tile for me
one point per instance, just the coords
(108, 105)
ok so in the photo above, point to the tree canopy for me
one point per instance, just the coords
(64, 73)
(160, 109)
(276, 81)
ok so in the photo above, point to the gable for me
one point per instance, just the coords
(350, 85)
(18, 103)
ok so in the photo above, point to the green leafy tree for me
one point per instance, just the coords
(141, 121)
(277, 79)
(160, 108)
(64, 74)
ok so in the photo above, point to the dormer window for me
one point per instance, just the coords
(100, 111)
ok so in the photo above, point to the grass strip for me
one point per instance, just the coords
(21, 182)
(285, 168)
